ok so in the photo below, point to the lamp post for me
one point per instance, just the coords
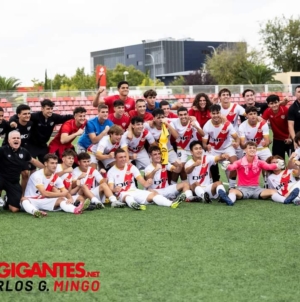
(153, 66)
(215, 52)
(125, 73)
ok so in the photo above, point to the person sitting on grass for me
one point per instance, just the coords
(86, 178)
(249, 169)
(158, 172)
(121, 182)
(284, 180)
(197, 170)
(45, 191)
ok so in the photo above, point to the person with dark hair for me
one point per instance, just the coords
(200, 109)
(294, 115)
(166, 107)
(151, 103)
(119, 117)
(220, 138)
(68, 132)
(4, 125)
(43, 123)
(158, 172)
(64, 170)
(23, 124)
(13, 158)
(249, 169)
(86, 179)
(197, 170)
(249, 97)
(123, 89)
(45, 191)
(140, 110)
(258, 132)
(121, 180)
(105, 149)
(135, 138)
(96, 128)
(278, 117)
(284, 180)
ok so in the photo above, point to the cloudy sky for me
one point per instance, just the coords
(59, 35)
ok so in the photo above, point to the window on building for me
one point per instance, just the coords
(139, 63)
(131, 56)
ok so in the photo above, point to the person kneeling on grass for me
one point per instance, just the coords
(159, 174)
(283, 180)
(45, 191)
(121, 181)
(197, 170)
(248, 169)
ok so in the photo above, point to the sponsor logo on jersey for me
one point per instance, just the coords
(21, 155)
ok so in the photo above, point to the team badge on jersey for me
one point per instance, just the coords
(283, 116)
(52, 123)
(21, 155)
(28, 128)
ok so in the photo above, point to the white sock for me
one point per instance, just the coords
(173, 182)
(188, 194)
(129, 200)
(220, 187)
(232, 183)
(278, 198)
(29, 207)
(67, 207)
(95, 200)
(232, 197)
(112, 198)
(199, 192)
(162, 201)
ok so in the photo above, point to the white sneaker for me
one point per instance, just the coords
(117, 204)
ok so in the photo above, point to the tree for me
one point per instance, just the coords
(82, 81)
(7, 84)
(46, 81)
(281, 37)
(60, 80)
(227, 63)
(258, 74)
(135, 77)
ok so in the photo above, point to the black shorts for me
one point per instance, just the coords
(38, 152)
(13, 192)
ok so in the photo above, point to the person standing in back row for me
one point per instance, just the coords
(123, 88)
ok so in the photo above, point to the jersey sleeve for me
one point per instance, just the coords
(101, 145)
(265, 129)
(231, 129)
(135, 171)
(90, 127)
(242, 130)
(97, 176)
(205, 130)
(241, 110)
(59, 183)
(150, 138)
(188, 163)
(66, 128)
(149, 169)
(37, 179)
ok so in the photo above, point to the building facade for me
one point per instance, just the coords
(160, 57)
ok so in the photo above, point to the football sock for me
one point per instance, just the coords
(199, 192)
(188, 194)
(95, 200)
(162, 201)
(129, 200)
(278, 198)
(29, 207)
(112, 198)
(67, 207)
(232, 197)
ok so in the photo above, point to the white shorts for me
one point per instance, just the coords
(142, 160)
(139, 196)
(183, 155)
(169, 192)
(172, 156)
(229, 150)
(97, 194)
(45, 204)
(80, 149)
(207, 189)
(264, 153)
